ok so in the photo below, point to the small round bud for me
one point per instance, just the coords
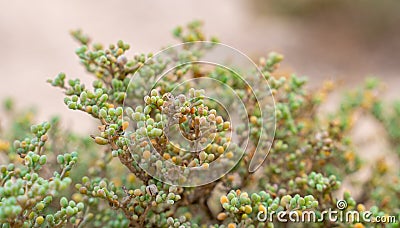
(211, 117)
(125, 125)
(159, 164)
(170, 221)
(102, 184)
(49, 218)
(219, 120)
(253, 119)
(248, 209)
(74, 98)
(83, 190)
(156, 132)
(136, 116)
(43, 138)
(159, 199)
(100, 140)
(35, 158)
(103, 113)
(146, 154)
(122, 60)
(301, 202)
(72, 105)
(101, 193)
(262, 208)
(359, 225)
(154, 93)
(231, 225)
(34, 129)
(80, 206)
(314, 204)
(255, 197)
(222, 216)
(137, 192)
(203, 120)
(83, 96)
(40, 206)
(70, 211)
(226, 125)
(198, 93)
(119, 111)
(42, 159)
(39, 220)
(203, 156)
(112, 112)
(147, 110)
(160, 102)
(147, 99)
(63, 202)
(224, 199)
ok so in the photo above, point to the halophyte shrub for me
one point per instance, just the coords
(135, 173)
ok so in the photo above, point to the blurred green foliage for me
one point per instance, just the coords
(51, 177)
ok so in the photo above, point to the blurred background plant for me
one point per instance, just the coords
(52, 177)
(337, 40)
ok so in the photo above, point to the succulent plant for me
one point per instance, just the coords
(126, 174)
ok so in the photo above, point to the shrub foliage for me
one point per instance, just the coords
(50, 177)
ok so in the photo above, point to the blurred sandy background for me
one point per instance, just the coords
(320, 39)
